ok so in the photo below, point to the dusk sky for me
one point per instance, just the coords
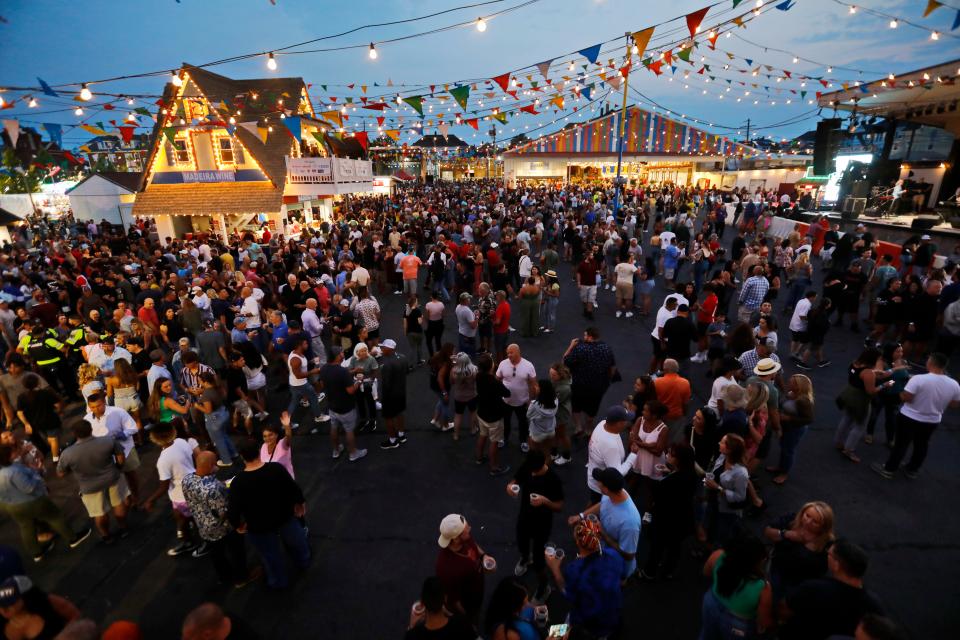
(65, 42)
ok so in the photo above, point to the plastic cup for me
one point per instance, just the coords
(515, 489)
(489, 563)
(593, 518)
(541, 614)
(559, 554)
(418, 608)
(532, 496)
(550, 551)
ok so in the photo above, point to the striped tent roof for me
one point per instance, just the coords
(646, 133)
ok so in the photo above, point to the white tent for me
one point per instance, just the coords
(105, 196)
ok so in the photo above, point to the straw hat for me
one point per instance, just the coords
(734, 397)
(766, 367)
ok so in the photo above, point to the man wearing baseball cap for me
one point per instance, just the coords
(618, 515)
(393, 393)
(606, 449)
(460, 566)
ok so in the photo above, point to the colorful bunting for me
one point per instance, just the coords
(544, 68)
(293, 125)
(444, 129)
(684, 54)
(127, 133)
(591, 53)
(461, 94)
(502, 80)
(97, 131)
(529, 109)
(12, 127)
(694, 19)
(502, 117)
(361, 137)
(736, 2)
(332, 116)
(473, 122)
(55, 131)
(956, 21)
(786, 5)
(393, 134)
(932, 5)
(170, 133)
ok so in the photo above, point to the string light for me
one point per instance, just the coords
(32, 103)
(131, 117)
(853, 9)
(481, 25)
(796, 59)
(271, 62)
(894, 23)
(233, 120)
(175, 79)
(373, 52)
(934, 35)
(78, 111)
(2, 101)
(129, 100)
(85, 93)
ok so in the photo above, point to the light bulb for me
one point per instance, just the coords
(233, 120)
(32, 103)
(853, 9)
(481, 25)
(570, 68)
(175, 79)
(129, 100)
(635, 50)
(894, 23)
(759, 3)
(182, 122)
(373, 52)
(78, 111)
(796, 59)
(85, 93)
(131, 117)
(2, 101)
(271, 62)
(891, 77)
(934, 35)
(270, 128)
(829, 69)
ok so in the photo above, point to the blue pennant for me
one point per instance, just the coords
(46, 88)
(591, 53)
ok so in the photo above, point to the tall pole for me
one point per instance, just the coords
(623, 126)
(748, 130)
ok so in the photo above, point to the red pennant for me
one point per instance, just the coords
(503, 80)
(513, 94)
(824, 83)
(819, 95)
(108, 107)
(361, 137)
(713, 39)
(702, 69)
(376, 106)
(529, 109)
(625, 69)
(655, 67)
(351, 86)
(787, 73)
(473, 122)
(380, 120)
(363, 99)
(333, 98)
(694, 19)
(432, 87)
(668, 56)
(127, 133)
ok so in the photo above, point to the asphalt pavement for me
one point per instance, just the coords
(373, 523)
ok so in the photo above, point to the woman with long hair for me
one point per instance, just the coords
(551, 300)
(30, 613)
(796, 414)
(739, 602)
(728, 484)
(504, 619)
(463, 388)
(124, 387)
(171, 330)
(854, 401)
(887, 401)
(39, 410)
(758, 395)
(561, 379)
(800, 546)
(215, 418)
(673, 511)
(529, 308)
(441, 363)
(652, 436)
(163, 405)
(542, 417)
(767, 328)
(278, 443)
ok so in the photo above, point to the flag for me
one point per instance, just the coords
(694, 19)
(362, 138)
(380, 121)
(530, 109)
(461, 94)
(956, 21)
(544, 68)
(786, 5)
(932, 5)
(170, 133)
(12, 127)
(503, 80)
(585, 92)
(501, 117)
(736, 2)
(97, 131)
(591, 53)
(332, 116)
(684, 54)
(262, 133)
(655, 67)
(444, 129)
(641, 39)
(126, 133)
(473, 122)
(293, 125)
(416, 102)
(46, 88)
(55, 131)
(393, 134)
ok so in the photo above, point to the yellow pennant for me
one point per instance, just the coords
(262, 132)
(97, 131)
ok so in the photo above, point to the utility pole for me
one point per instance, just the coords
(623, 125)
(748, 130)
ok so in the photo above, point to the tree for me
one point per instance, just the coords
(15, 178)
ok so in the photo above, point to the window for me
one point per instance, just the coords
(224, 148)
(181, 153)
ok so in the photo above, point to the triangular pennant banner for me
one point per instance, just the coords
(473, 122)
(694, 19)
(544, 68)
(362, 138)
(55, 131)
(502, 80)
(655, 67)
(444, 129)
(393, 134)
(684, 54)
(461, 94)
(332, 116)
(46, 88)
(380, 121)
(170, 133)
(786, 5)
(12, 127)
(614, 82)
(416, 103)
(262, 133)
(530, 109)
(502, 117)
(932, 5)
(956, 21)
(641, 39)
(250, 127)
(127, 133)
(591, 53)
(293, 125)
(585, 92)
(97, 131)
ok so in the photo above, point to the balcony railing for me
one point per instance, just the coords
(328, 171)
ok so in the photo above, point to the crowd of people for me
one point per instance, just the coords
(182, 346)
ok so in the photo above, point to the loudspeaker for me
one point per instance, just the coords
(826, 146)
(925, 222)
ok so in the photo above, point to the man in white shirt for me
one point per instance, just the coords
(119, 425)
(107, 355)
(624, 286)
(520, 378)
(925, 398)
(799, 323)
(524, 265)
(313, 327)
(466, 325)
(664, 313)
(606, 451)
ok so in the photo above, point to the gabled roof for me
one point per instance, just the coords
(129, 180)
(270, 154)
(198, 199)
(438, 142)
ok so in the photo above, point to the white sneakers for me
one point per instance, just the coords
(629, 314)
(356, 455)
(619, 313)
(699, 357)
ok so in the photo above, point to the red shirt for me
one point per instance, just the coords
(587, 272)
(501, 318)
(707, 308)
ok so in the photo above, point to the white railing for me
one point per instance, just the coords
(328, 171)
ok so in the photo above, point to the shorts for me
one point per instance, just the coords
(492, 430)
(541, 437)
(702, 329)
(585, 400)
(182, 508)
(131, 462)
(668, 273)
(800, 337)
(391, 408)
(373, 334)
(242, 407)
(588, 294)
(468, 405)
(128, 403)
(100, 503)
(485, 329)
(646, 286)
(257, 381)
(346, 421)
(624, 292)
(657, 347)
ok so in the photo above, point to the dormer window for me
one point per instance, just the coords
(224, 148)
(181, 151)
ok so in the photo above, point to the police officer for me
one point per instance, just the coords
(74, 340)
(48, 355)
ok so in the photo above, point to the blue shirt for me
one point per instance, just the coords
(279, 332)
(622, 523)
(671, 256)
(20, 484)
(593, 591)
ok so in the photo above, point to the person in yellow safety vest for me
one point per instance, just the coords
(48, 355)
(75, 339)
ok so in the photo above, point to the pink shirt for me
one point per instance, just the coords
(282, 455)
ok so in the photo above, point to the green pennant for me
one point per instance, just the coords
(170, 133)
(712, 78)
(319, 138)
(461, 94)
(736, 2)
(684, 54)
(502, 117)
(142, 111)
(416, 102)
(803, 94)
(646, 62)
(324, 87)
(707, 67)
